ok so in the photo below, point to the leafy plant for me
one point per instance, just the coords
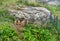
(7, 33)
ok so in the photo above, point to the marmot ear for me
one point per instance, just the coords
(24, 22)
(17, 22)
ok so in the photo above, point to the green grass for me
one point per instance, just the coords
(5, 16)
(7, 2)
(7, 33)
(36, 33)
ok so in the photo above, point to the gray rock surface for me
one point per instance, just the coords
(32, 14)
(50, 2)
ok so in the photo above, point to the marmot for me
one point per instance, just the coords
(21, 22)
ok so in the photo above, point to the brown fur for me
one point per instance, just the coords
(24, 22)
(17, 22)
(21, 23)
(18, 25)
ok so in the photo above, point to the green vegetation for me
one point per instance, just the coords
(5, 16)
(7, 33)
(31, 32)
(36, 33)
(7, 2)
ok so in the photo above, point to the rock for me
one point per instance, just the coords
(42, 1)
(50, 2)
(32, 14)
(57, 3)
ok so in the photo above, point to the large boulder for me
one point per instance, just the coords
(32, 14)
